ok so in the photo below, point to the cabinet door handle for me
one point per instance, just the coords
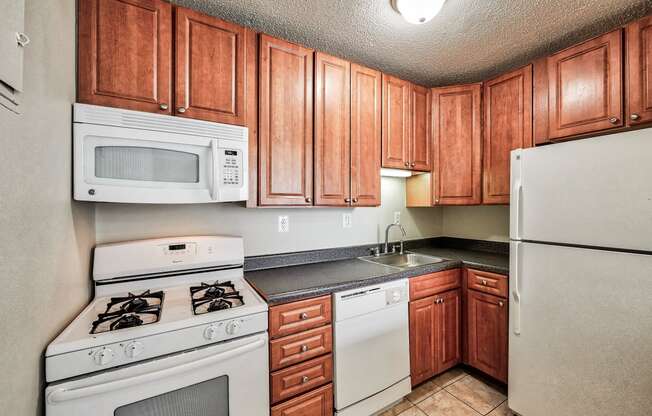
(308, 199)
(163, 106)
(181, 110)
(303, 316)
(501, 304)
(412, 164)
(614, 120)
(304, 379)
(635, 117)
(347, 200)
(304, 348)
(484, 282)
(355, 200)
(407, 163)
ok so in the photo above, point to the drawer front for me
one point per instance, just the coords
(318, 402)
(491, 283)
(294, 317)
(301, 378)
(300, 347)
(430, 284)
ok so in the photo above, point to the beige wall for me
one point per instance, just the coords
(46, 239)
(486, 222)
(310, 228)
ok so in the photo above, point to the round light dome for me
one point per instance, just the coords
(418, 11)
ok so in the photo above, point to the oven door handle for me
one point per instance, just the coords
(64, 395)
(216, 172)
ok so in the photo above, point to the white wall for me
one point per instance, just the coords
(485, 222)
(46, 238)
(310, 228)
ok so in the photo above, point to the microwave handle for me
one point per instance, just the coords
(63, 395)
(216, 159)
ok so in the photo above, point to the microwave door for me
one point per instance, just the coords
(117, 164)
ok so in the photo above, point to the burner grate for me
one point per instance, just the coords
(214, 297)
(129, 311)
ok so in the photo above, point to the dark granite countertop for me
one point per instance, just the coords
(286, 284)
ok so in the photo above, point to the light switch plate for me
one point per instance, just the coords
(347, 220)
(283, 224)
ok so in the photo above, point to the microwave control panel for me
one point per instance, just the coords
(231, 164)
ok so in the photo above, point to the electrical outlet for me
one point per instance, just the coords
(397, 217)
(347, 220)
(283, 224)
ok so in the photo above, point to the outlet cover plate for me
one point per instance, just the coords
(283, 224)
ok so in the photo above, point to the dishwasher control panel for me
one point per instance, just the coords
(363, 300)
(395, 295)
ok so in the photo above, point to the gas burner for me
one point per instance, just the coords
(129, 311)
(214, 297)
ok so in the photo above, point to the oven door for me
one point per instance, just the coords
(119, 164)
(227, 379)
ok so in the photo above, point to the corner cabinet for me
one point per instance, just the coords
(457, 141)
(366, 105)
(285, 123)
(507, 126)
(215, 68)
(332, 131)
(125, 54)
(639, 75)
(435, 316)
(396, 123)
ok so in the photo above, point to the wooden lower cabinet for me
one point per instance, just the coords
(487, 333)
(318, 402)
(435, 343)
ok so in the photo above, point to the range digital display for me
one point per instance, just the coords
(174, 247)
(231, 152)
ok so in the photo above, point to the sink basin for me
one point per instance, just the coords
(402, 261)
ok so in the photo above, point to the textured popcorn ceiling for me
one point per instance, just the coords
(470, 40)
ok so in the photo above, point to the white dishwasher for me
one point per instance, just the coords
(372, 350)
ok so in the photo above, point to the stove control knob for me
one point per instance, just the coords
(103, 356)
(134, 349)
(233, 327)
(211, 332)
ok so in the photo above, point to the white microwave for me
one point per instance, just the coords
(136, 157)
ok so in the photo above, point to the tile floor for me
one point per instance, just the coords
(454, 393)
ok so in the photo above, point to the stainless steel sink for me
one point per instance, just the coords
(402, 261)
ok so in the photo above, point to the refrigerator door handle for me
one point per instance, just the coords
(518, 191)
(516, 293)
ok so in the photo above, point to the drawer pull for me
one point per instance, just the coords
(500, 304)
(484, 282)
(303, 316)
(304, 348)
(304, 379)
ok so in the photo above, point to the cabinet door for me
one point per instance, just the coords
(423, 339)
(639, 63)
(449, 313)
(125, 54)
(285, 118)
(487, 334)
(420, 151)
(507, 126)
(365, 136)
(211, 68)
(456, 127)
(332, 131)
(585, 87)
(318, 402)
(396, 123)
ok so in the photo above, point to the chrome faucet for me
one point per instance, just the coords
(404, 234)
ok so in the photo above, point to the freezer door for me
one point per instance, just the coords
(583, 345)
(593, 192)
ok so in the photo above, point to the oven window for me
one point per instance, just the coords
(209, 398)
(146, 164)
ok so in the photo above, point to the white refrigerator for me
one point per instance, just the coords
(580, 318)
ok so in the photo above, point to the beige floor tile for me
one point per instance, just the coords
(398, 408)
(477, 394)
(443, 403)
(502, 410)
(422, 391)
(413, 411)
(449, 377)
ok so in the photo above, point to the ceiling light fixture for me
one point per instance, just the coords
(418, 11)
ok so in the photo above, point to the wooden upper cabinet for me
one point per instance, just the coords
(332, 131)
(420, 151)
(285, 123)
(457, 140)
(507, 126)
(125, 54)
(396, 123)
(365, 136)
(212, 58)
(487, 334)
(585, 86)
(639, 64)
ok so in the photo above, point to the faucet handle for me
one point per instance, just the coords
(375, 251)
(396, 247)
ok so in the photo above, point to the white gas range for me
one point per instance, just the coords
(173, 323)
